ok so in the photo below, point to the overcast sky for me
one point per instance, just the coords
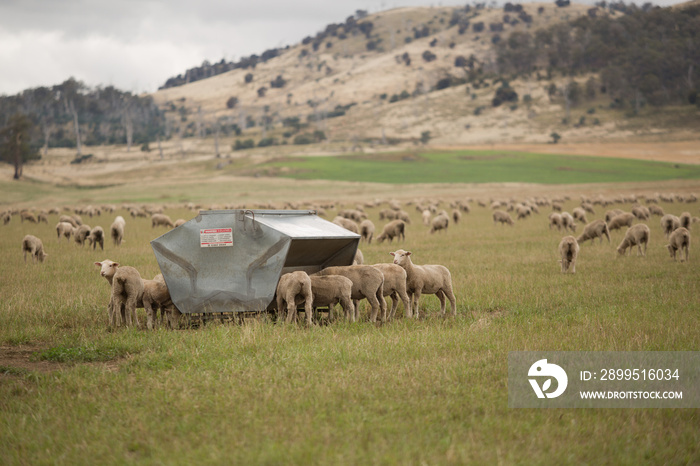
(136, 45)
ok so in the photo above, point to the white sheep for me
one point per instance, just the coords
(669, 223)
(330, 290)
(595, 229)
(117, 230)
(579, 214)
(294, 288)
(367, 230)
(158, 220)
(347, 224)
(81, 233)
(425, 215)
(567, 221)
(393, 229)
(610, 214)
(686, 220)
(555, 221)
(679, 240)
(367, 282)
(33, 245)
(180, 222)
(624, 219)
(97, 236)
(656, 210)
(503, 217)
(456, 216)
(64, 229)
(441, 222)
(359, 258)
(426, 279)
(395, 287)
(636, 235)
(641, 212)
(568, 251)
(157, 296)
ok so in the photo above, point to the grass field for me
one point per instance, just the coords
(476, 167)
(427, 391)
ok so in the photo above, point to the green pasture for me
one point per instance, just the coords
(475, 167)
(427, 391)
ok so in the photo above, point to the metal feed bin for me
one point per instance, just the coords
(231, 260)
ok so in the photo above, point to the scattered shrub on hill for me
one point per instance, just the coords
(478, 27)
(245, 144)
(265, 142)
(428, 56)
(278, 82)
(504, 94)
(232, 102)
(248, 78)
(425, 137)
(262, 91)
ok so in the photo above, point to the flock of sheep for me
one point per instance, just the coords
(347, 285)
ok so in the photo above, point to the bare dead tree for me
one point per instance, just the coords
(76, 126)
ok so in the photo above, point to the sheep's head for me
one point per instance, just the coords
(42, 256)
(401, 257)
(107, 268)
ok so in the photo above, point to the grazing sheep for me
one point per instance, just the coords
(656, 210)
(568, 251)
(588, 207)
(595, 229)
(68, 219)
(97, 235)
(156, 296)
(367, 282)
(28, 216)
(347, 224)
(294, 288)
(158, 220)
(395, 287)
(42, 217)
(623, 220)
(367, 230)
(6, 217)
(179, 222)
(352, 214)
(636, 235)
(425, 215)
(523, 212)
(610, 214)
(641, 212)
(669, 223)
(359, 258)
(555, 221)
(117, 230)
(456, 216)
(686, 219)
(387, 214)
(64, 229)
(503, 217)
(679, 240)
(579, 214)
(33, 245)
(557, 206)
(403, 215)
(394, 229)
(330, 290)
(567, 221)
(81, 234)
(426, 279)
(441, 222)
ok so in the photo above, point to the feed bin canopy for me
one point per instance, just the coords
(231, 260)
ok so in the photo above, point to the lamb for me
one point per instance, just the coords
(330, 290)
(157, 296)
(117, 230)
(441, 222)
(426, 279)
(395, 287)
(81, 234)
(347, 224)
(555, 221)
(567, 221)
(568, 251)
(595, 229)
(367, 282)
(158, 220)
(293, 288)
(686, 219)
(33, 245)
(367, 230)
(622, 220)
(669, 223)
(394, 229)
(636, 235)
(579, 214)
(64, 229)
(503, 217)
(97, 235)
(679, 240)
(127, 291)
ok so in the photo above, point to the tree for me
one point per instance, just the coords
(15, 142)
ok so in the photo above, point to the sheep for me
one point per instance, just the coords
(42, 217)
(33, 245)
(330, 290)
(555, 221)
(359, 258)
(387, 214)
(180, 222)
(610, 214)
(28, 216)
(595, 229)
(425, 215)
(97, 235)
(292, 289)
(679, 240)
(394, 229)
(158, 220)
(403, 215)
(622, 220)
(352, 214)
(636, 235)
(641, 212)
(686, 219)
(68, 219)
(456, 216)
(367, 282)
(127, 291)
(669, 223)
(347, 224)
(656, 210)
(367, 230)
(556, 206)
(441, 222)
(117, 230)
(588, 207)
(395, 287)
(81, 233)
(503, 217)
(64, 229)
(426, 279)
(567, 222)
(157, 296)
(579, 214)
(568, 251)
(523, 212)
(6, 217)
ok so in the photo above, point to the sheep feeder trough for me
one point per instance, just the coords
(229, 261)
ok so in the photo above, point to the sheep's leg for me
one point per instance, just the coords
(356, 307)
(416, 297)
(309, 311)
(174, 317)
(406, 304)
(374, 303)
(441, 296)
(573, 265)
(149, 313)
(131, 310)
(110, 312)
(394, 304)
(348, 308)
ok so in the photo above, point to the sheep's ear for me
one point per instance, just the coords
(408, 253)
(391, 253)
(99, 264)
(115, 264)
